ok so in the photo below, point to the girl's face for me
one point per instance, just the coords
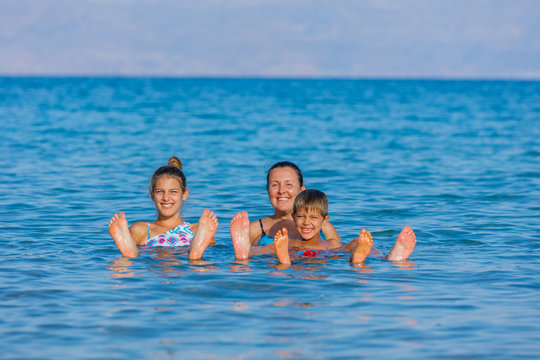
(168, 196)
(283, 186)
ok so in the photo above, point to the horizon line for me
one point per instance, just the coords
(273, 77)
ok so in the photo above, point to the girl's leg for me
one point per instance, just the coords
(206, 230)
(118, 228)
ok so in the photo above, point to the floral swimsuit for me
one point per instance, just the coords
(179, 236)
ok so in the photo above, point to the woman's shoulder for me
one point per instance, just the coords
(257, 222)
(255, 231)
(261, 223)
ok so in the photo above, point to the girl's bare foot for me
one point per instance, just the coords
(206, 230)
(281, 241)
(363, 247)
(118, 228)
(404, 245)
(240, 235)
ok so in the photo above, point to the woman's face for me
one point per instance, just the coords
(283, 186)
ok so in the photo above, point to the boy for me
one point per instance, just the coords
(310, 212)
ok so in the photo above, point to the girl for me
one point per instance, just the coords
(168, 190)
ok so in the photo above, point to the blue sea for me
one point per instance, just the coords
(458, 161)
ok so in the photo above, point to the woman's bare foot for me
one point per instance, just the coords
(206, 230)
(363, 247)
(404, 245)
(118, 228)
(281, 241)
(240, 235)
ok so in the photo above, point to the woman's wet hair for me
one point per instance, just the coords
(173, 170)
(285, 164)
(311, 199)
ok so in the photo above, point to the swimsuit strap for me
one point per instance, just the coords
(262, 229)
(148, 231)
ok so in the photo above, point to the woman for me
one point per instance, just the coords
(284, 181)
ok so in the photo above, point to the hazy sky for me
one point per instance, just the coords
(289, 38)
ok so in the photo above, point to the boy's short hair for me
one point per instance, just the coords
(311, 199)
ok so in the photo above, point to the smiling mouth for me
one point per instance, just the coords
(167, 206)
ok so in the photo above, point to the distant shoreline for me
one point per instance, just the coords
(261, 77)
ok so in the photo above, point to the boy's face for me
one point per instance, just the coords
(309, 223)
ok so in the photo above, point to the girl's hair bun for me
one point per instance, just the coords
(173, 169)
(174, 161)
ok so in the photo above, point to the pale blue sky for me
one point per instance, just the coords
(277, 38)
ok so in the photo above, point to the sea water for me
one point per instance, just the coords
(458, 161)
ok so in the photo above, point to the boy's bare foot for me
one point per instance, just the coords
(206, 230)
(281, 241)
(404, 245)
(373, 252)
(118, 228)
(240, 235)
(363, 247)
